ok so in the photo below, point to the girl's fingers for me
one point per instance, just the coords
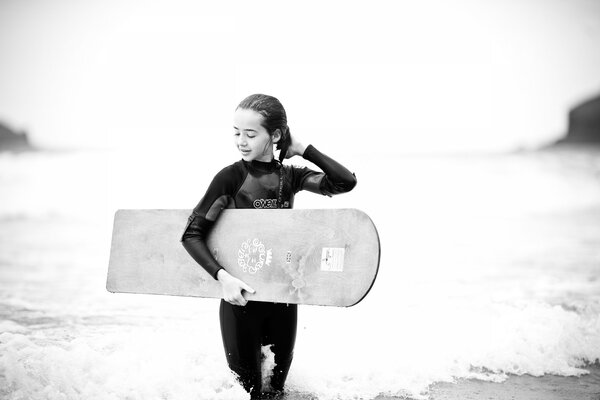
(241, 301)
(234, 294)
(237, 301)
(233, 302)
(248, 288)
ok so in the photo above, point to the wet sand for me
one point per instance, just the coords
(524, 387)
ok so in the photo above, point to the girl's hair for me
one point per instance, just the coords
(274, 117)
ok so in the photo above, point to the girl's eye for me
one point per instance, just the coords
(251, 136)
(236, 134)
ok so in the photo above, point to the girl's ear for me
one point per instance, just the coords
(277, 135)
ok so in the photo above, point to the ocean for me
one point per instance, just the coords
(489, 283)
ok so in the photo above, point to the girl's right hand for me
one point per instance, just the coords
(232, 288)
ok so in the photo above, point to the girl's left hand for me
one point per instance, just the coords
(296, 148)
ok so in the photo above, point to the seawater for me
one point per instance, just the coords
(490, 266)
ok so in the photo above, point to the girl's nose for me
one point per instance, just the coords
(241, 140)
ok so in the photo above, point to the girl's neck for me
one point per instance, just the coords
(264, 159)
(263, 165)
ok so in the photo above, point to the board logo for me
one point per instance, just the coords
(252, 256)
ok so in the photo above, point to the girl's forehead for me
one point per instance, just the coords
(244, 118)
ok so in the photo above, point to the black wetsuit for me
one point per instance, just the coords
(259, 184)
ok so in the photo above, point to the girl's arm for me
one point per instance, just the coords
(335, 178)
(194, 241)
(199, 225)
(338, 179)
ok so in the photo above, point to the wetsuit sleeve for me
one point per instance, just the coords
(334, 179)
(218, 196)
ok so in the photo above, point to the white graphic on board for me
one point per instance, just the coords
(252, 256)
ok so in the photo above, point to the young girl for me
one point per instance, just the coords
(258, 181)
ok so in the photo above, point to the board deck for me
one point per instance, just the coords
(301, 256)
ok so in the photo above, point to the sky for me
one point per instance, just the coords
(364, 76)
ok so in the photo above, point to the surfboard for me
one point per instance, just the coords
(326, 257)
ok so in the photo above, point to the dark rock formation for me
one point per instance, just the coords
(13, 141)
(584, 123)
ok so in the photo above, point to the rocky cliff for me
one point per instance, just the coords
(584, 123)
(13, 141)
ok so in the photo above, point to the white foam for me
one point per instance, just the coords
(403, 349)
(137, 364)
(267, 365)
(12, 327)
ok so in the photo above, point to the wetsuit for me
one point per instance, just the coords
(257, 184)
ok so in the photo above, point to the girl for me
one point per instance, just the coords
(258, 181)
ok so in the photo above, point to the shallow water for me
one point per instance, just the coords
(523, 387)
(490, 268)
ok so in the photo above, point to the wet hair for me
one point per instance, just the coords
(274, 117)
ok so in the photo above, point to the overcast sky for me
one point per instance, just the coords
(413, 76)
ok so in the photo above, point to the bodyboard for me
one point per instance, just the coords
(300, 256)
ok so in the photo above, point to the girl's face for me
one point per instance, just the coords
(251, 138)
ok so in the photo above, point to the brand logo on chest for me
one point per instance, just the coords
(269, 203)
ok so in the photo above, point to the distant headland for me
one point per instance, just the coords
(11, 140)
(584, 124)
